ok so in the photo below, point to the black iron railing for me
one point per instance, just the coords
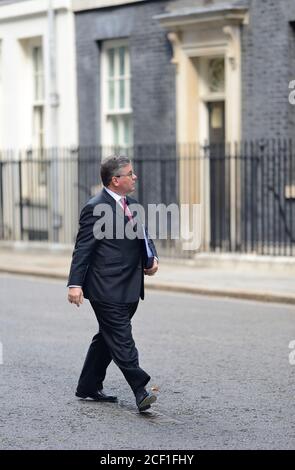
(245, 191)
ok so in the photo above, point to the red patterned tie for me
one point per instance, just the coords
(126, 209)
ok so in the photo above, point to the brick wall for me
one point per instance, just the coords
(153, 76)
(268, 64)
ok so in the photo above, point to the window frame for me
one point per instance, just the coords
(118, 113)
(38, 107)
(38, 102)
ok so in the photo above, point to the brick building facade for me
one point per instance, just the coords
(266, 61)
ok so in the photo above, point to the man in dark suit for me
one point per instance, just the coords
(109, 271)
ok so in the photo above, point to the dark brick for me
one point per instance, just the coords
(153, 76)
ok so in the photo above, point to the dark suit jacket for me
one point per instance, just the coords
(109, 270)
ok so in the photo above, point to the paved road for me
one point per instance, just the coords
(221, 365)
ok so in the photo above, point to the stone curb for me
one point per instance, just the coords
(168, 287)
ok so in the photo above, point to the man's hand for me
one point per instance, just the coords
(153, 269)
(75, 296)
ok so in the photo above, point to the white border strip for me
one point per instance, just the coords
(31, 8)
(80, 5)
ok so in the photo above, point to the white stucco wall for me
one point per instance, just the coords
(18, 23)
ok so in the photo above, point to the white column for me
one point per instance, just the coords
(233, 113)
(233, 84)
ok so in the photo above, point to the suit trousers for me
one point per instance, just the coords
(114, 341)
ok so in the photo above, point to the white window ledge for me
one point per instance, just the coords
(115, 112)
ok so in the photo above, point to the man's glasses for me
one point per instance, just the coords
(130, 174)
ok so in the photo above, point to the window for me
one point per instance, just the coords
(216, 75)
(38, 109)
(116, 100)
(38, 97)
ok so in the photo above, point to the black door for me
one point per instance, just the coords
(219, 187)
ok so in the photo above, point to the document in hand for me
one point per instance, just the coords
(148, 255)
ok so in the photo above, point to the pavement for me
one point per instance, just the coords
(222, 368)
(244, 277)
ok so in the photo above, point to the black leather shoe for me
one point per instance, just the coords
(144, 400)
(97, 396)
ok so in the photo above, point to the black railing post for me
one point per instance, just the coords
(261, 198)
(263, 193)
(21, 215)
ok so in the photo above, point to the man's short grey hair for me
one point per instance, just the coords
(111, 166)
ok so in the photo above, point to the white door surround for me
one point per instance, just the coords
(198, 35)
